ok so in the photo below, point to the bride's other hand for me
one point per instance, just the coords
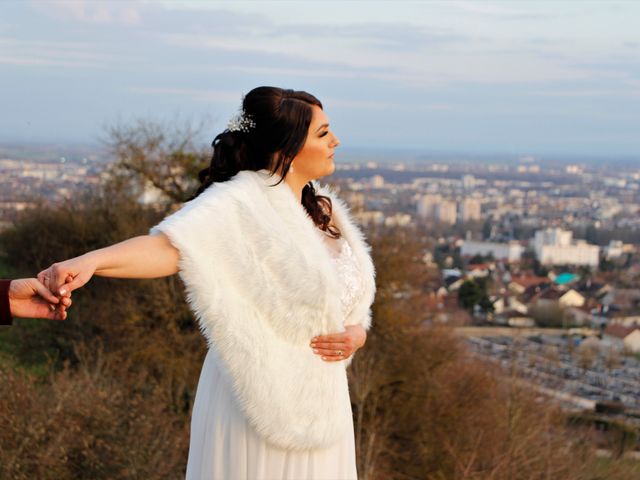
(339, 346)
(64, 277)
(145, 256)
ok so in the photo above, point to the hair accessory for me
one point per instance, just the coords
(241, 121)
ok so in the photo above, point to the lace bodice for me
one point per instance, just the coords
(349, 274)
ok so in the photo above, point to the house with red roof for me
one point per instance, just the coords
(621, 337)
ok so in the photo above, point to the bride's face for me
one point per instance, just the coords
(315, 160)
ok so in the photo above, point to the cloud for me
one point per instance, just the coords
(271, 57)
(20, 52)
(45, 62)
(581, 92)
(68, 54)
(408, 52)
(388, 35)
(91, 12)
(502, 10)
(217, 96)
(233, 97)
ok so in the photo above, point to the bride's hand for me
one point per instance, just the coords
(63, 277)
(339, 346)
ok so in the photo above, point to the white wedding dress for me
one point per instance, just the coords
(224, 446)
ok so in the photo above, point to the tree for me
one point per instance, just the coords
(154, 155)
(472, 293)
(487, 229)
(606, 265)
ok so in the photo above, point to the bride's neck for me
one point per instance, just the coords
(296, 184)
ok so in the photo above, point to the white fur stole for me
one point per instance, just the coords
(261, 284)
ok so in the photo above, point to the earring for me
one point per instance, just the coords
(291, 167)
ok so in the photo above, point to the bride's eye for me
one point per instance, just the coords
(324, 134)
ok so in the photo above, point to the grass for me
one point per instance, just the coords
(604, 466)
(8, 339)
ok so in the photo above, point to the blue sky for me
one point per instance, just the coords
(544, 77)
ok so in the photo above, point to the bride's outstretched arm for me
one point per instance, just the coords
(146, 256)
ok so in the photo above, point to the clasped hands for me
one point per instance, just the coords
(53, 289)
(47, 297)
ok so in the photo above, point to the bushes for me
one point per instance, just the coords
(91, 422)
(426, 408)
(115, 381)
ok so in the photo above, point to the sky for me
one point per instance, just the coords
(514, 77)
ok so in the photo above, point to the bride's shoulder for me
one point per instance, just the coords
(238, 185)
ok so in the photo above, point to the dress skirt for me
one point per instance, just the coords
(224, 446)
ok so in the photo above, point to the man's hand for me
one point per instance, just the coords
(28, 298)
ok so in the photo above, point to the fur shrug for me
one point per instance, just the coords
(261, 284)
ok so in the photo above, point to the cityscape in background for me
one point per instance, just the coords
(536, 264)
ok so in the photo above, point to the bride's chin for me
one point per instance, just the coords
(331, 168)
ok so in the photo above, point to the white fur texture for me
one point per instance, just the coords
(261, 284)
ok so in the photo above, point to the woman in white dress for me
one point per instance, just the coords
(243, 426)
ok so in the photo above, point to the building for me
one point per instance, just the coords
(446, 212)
(468, 182)
(436, 208)
(369, 218)
(426, 206)
(511, 251)
(506, 302)
(615, 249)
(377, 181)
(555, 246)
(469, 209)
(554, 297)
(622, 338)
(518, 284)
(398, 220)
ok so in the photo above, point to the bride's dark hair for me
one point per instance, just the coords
(282, 118)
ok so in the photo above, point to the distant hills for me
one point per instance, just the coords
(96, 152)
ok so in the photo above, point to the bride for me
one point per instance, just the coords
(281, 282)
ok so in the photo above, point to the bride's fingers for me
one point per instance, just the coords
(59, 286)
(343, 344)
(71, 285)
(64, 291)
(330, 338)
(332, 353)
(335, 357)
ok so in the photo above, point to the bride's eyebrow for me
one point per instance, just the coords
(323, 125)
